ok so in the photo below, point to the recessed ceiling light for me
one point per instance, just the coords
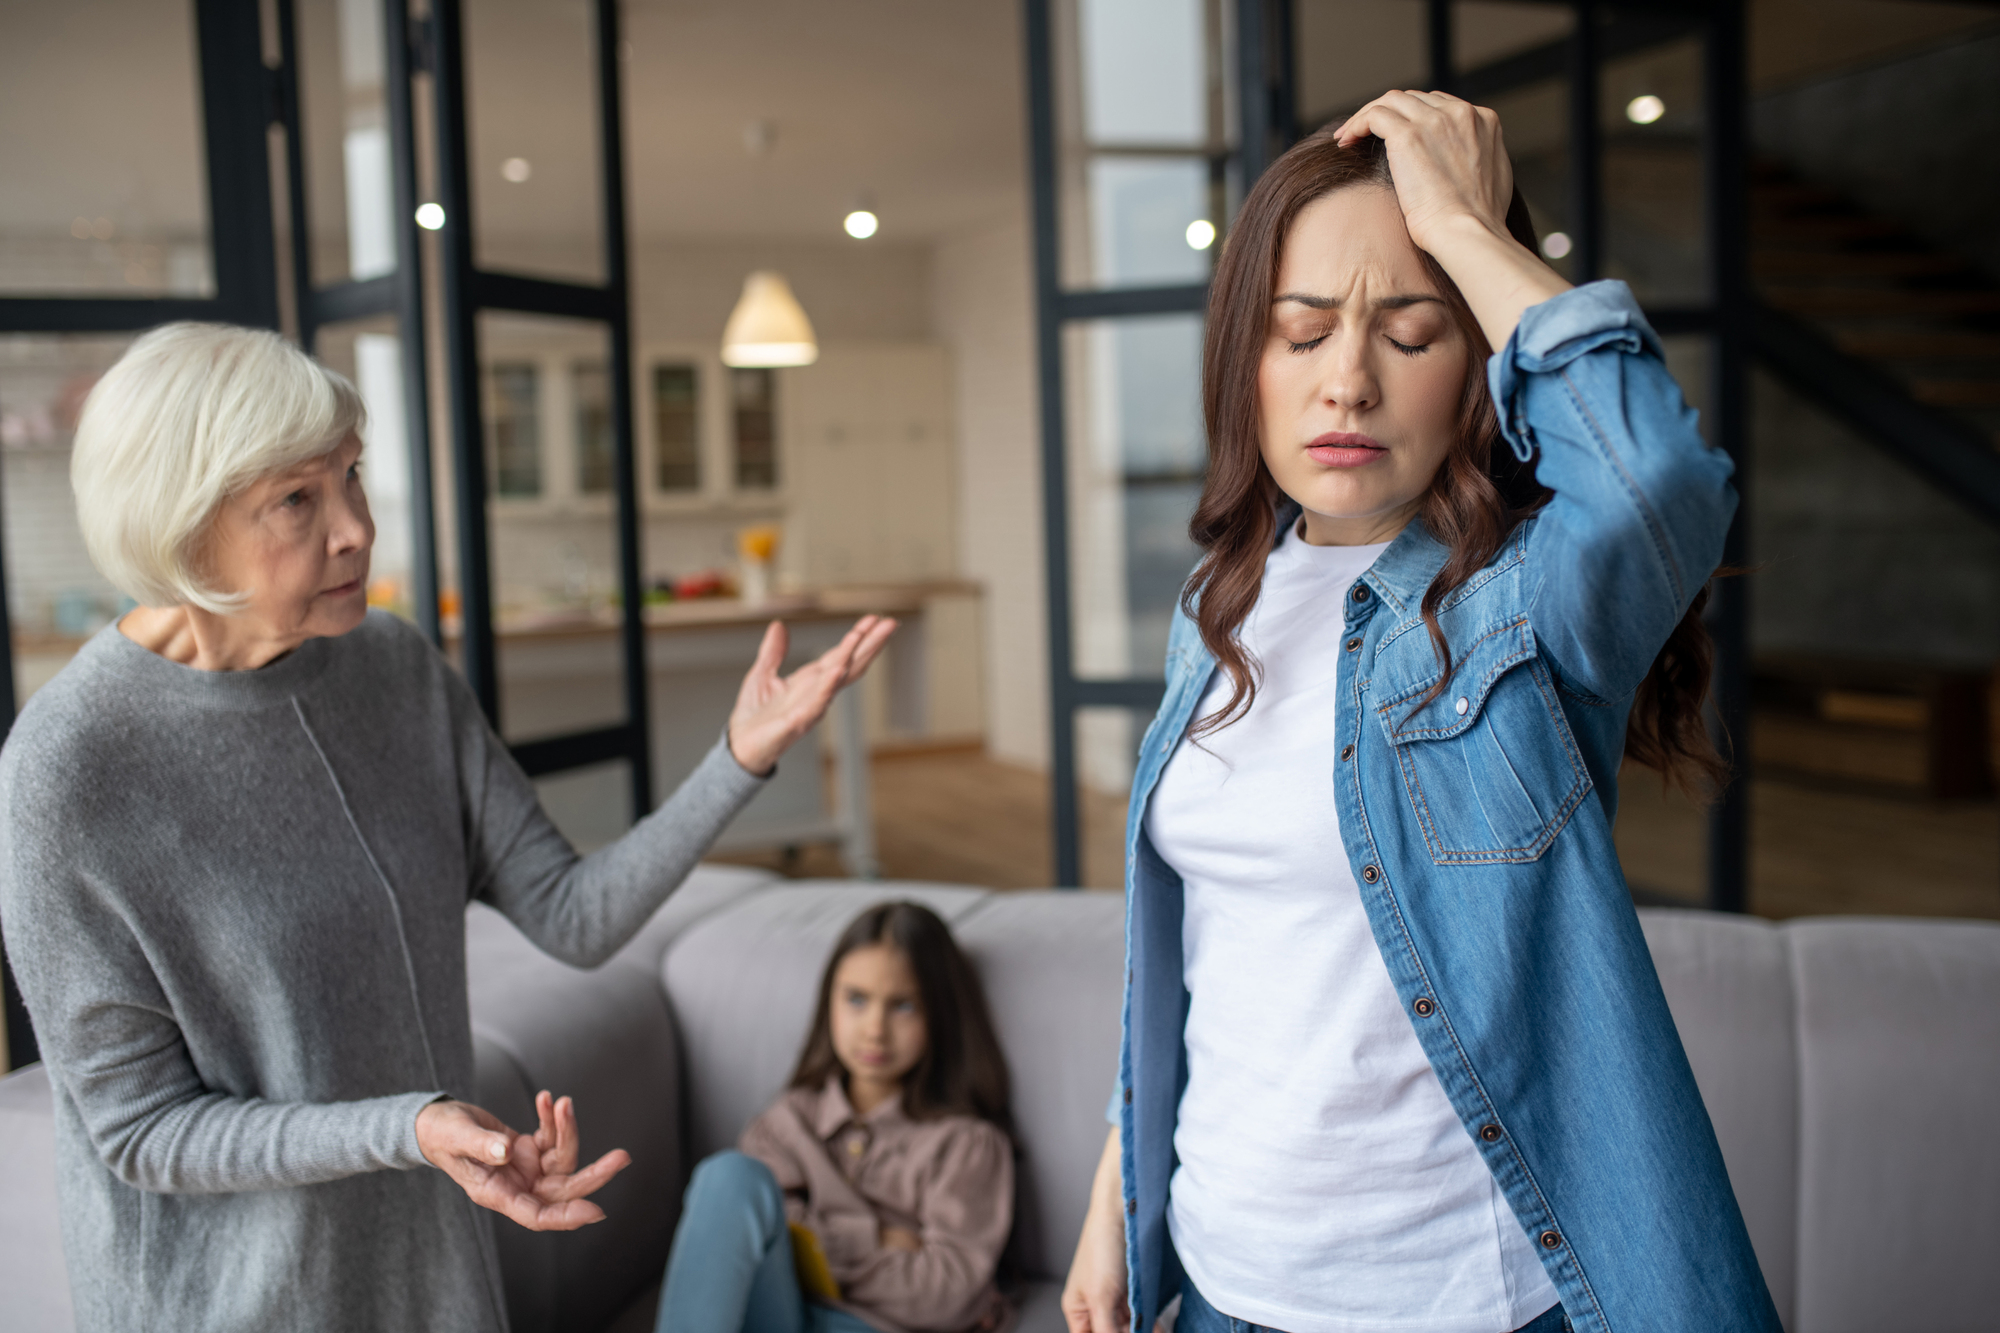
(516, 169)
(1200, 234)
(430, 216)
(861, 224)
(1556, 244)
(1645, 110)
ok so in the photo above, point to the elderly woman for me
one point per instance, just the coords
(240, 833)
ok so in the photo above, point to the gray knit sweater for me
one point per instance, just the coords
(236, 905)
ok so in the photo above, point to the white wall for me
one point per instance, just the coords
(982, 296)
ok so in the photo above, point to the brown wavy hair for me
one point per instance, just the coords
(962, 1071)
(1480, 494)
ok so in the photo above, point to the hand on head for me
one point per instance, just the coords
(531, 1178)
(1447, 155)
(772, 711)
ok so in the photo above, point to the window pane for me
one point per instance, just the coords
(590, 394)
(677, 427)
(1650, 111)
(55, 597)
(341, 100)
(1144, 140)
(370, 353)
(755, 399)
(1348, 51)
(1107, 741)
(537, 193)
(1137, 456)
(554, 563)
(514, 428)
(103, 162)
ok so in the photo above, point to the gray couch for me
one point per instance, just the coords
(1850, 1066)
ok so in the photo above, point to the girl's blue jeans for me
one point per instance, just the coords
(730, 1270)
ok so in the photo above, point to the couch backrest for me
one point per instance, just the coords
(1849, 1065)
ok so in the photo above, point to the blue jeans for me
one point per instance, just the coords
(731, 1266)
(1198, 1316)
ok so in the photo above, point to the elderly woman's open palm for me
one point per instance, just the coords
(772, 711)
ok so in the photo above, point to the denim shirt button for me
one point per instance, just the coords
(1551, 1240)
(1370, 874)
(1424, 1008)
(1354, 644)
(1346, 753)
(1490, 1133)
(1360, 592)
(1463, 706)
(1132, 1210)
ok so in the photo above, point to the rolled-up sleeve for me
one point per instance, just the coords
(1642, 503)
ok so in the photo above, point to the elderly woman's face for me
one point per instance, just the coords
(297, 543)
(1362, 371)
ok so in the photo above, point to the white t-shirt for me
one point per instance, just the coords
(1325, 1184)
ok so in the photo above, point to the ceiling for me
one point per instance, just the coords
(915, 106)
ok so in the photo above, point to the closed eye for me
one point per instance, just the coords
(1406, 349)
(1305, 346)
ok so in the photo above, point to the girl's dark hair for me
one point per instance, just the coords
(963, 1071)
(1480, 494)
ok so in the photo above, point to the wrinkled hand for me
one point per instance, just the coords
(772, 711)
(531, 1178)
(1447, 156)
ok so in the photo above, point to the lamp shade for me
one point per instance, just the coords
(768, 327)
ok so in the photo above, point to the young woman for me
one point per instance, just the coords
(878, 1191)
(1395, 1056)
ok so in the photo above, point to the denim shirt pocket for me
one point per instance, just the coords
(1490, 766)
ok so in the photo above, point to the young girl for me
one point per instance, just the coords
(877, 1192)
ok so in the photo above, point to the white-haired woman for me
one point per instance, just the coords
(237, 838)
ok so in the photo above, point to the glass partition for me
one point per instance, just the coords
(554, 549)
(346, 127)
(1137, 456)
(370, 353)
(1650, 114)
(55, 597)
(106, 185)
(537, 190)
(1107, 743)
(1145, 137)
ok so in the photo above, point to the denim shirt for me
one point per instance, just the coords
(1478, 827)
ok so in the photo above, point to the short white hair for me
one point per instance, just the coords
(189, 416)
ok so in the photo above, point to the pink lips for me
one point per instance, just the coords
(1339, 448)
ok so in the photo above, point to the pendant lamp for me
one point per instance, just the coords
(768, 327)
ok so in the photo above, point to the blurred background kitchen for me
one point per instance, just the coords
(675, 315)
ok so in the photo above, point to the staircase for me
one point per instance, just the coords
(1926, 321)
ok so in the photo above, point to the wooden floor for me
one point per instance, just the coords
(960, 817)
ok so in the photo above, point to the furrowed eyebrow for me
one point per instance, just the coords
(1312, 302)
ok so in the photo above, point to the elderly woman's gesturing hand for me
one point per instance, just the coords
(772, 711)
(531, 1178)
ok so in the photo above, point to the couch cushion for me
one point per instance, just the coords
(34, 1282)
(1051, 963)
(742, 985)
(1728, 981)
(605, 1038)
(1899, 1179)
